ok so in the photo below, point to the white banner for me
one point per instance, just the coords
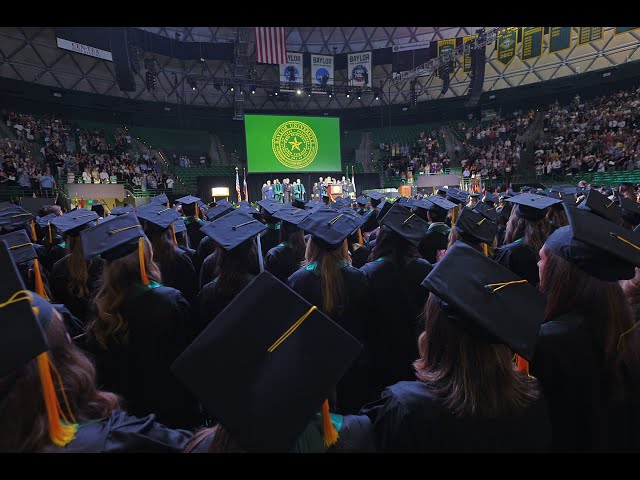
(321, 72)
(360, 69)
(84, 49)
(292, 71)
(410, 46)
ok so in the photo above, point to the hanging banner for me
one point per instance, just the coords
(620, 30)
(466, 58)
(559, 39)
(507, 42)
(531, 42)
(445, 46)
(405, 47)
(360, 69)
(321, 72)
(291, 73)
(589, 34)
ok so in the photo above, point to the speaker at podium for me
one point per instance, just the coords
(404, 190)
(334, 191)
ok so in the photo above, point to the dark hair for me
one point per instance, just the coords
(389, 243)
(535, 232)
(557, 217)
(469, 376)
(189, 210)
(455, 236)
(232, 266)
(23, 416)
(164, 247)
(295, 237)
(631, 290)
(437, 214)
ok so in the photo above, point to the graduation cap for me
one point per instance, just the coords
(406, 224)
(361, 200)
(532, 206)
(312, 204)
(500, 292)
(162, 198)
(457, 196)
(328, 227)
(72, 223)
(601, 206)
(246, 208)
(297, 203)
(43, 222)
(218, 211)
(270, 206)
(5, 205)
(476, 227)
(597, 246)
(436, 201)
(98, 207)
(113, 239)
(179, 226)
(386, 206)
(565, 198)
(474, 195)
(630, 210)
(486, 211)
(291, 215)
(159, 216)
(442, 190)
(233, 229)
(14, 217)
(265, 376)
(20, 246)
(188, 200)
(490, 198)
(526, 189)
(504, 195)
(126, 209)
(402, 201)
(376, 198)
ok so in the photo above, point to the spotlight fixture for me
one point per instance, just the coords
(348, 93)
(231, 88)
(253, 91)
(275, 93)
(358, 95)
(192, 83)
(299, 92)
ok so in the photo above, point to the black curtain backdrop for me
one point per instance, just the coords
(364, 181)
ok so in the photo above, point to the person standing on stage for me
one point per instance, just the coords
(278, 192)
(316, 191)
(267, 191)
(345, 186)
(298, 190)
(287, 187)
(321, 187)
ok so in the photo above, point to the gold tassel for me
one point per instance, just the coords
(50, 234)
(329, 432)
(485, 249)
(522, 365)
(60, 434)
(143, 269)
(197, 208)
(173, 230)
(39, 284)
(34, 237)
(360, 241)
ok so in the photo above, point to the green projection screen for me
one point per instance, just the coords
(285, 143)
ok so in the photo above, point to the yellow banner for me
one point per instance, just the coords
(466, 63)
(446, 45)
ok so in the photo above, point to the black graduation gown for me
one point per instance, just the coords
(355, 313)
(191, 253)
(206, 270)
(360, 256)
(520, 259)
(181, 275)
(280, 262)
(160, 328)
(575, 381)
(193, 230)
(391, 334)
(436, 238)
(270, 238)
(206, 247)
(371, 221)
(61, 290)
(407, 418)
(210, 303)
(120, 433)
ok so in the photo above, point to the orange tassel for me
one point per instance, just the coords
(173, 230)
(143, 268)
(197, 208)
(50, 234)
(360, 241)
(522, 365)
(485, 249)
(329, 432)
(34, 237)
(60, 434)
(39, 284)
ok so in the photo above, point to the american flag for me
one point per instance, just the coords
(238, 185)
(271, 45)
(246, 190)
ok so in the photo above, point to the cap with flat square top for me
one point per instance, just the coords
(159, 216)
(375, 198)
(20, 246)
(43, 222)
(437, 200)
(179, 226)
(630, 210)
(162, 198)
(291, 215)
(457, 196)
(218, 211)
(361, 200)
(476, 227)
(386, 206)
(113, 239)
(188, 200)
(499, 292)
(14, 217)
(490, 198)
(265, 376)
(233, 229)
(601, 206)
(328, 227)
(72, 223)
(269, 206)
(596, 246)
(122, 210)
(486, 211)
(531, 206)
(406, 224)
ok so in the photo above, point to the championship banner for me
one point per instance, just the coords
(531, 42)
(559, 39)
(359, 69)
(466, 58)
(589, 34)
(507, 42)
(620, 30)
(321, 72)
(445, 46)
(291, 72)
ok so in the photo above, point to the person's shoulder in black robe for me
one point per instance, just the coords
(408, 418)
(436, 238)
(210, 302)
(520, 259)
(270, 238)
(280, 262)
(193, 230)
(360, 256)
(205, 248)
(207, 270)
(181, 275)
(371, 221)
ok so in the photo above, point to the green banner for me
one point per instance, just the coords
(507, 42)
(447, 46)
(620, 30)
(589, 34)
(466, 59)
(559, 39)
(531, 42)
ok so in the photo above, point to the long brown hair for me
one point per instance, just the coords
(469, 376)
(23, 416)
(117, 277)
(222, 441)
(330, 276)
(535, 232)
(603, 304)
(631, 290)
(165, 249)
(295, 237)
(389, 243)
(77, 271)
(232, 268)
(455, 235)
(557, 217)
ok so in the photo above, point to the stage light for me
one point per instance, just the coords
(348, 93)
(275, 93)
(231, 88)
(299, 92)
(358, 95)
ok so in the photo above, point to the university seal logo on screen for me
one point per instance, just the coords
(294, 144)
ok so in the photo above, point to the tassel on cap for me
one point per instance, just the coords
(143, 268)
(360, 241)
(173, 231)
(50, 234)
(38, 280)
(485, 249)
(329, 432)
(34, 237)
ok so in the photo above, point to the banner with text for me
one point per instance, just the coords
(321, 72)
(589, 34)
(84, 49)
(405, 47)
(620, 30)
(291, 72)
(531, 42)
(466, 58)
(359, 69)
(507, 42)
(559, 39)
(446, 46)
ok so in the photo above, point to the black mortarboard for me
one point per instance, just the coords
(526, 188)
(438, 201)
(361, 200)
(442, 190)
(20, 246)
(159, 216)
(98, 207)
(406, 224)
(376, 197)
(297, 203)
(291, 215)
(72, 223)
(233, 229)
(490, 197)
(601, 206)
(179, 226)
(43, 222)
(457, 196)
(402, 201)
(113, 239)
(474, 195)
(328, 227)
(486, 211)
(484, 300)
(162, 198)
(265, 376)
(569, 198)
(532, 206)
(270, 206)
(311, 204)
(476, 227)
(384, 209)
(218, 211)
(13, 217)
(122, 210)
(188, 200)
(597, 246)
(630, 210)
(247, 208)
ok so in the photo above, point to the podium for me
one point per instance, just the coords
(334, 191)
(404, 190)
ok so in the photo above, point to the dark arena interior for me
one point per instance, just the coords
(319, 239)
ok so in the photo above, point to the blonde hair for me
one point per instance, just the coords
(330, 277)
